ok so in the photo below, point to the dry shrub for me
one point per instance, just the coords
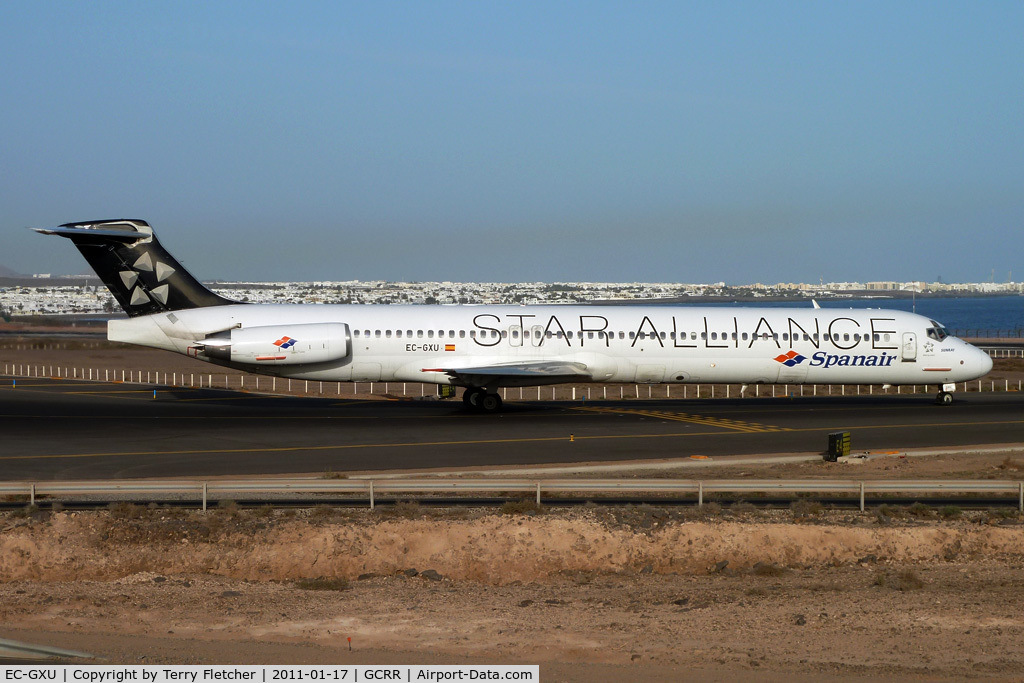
(126, 511)
(525, 506)
(950, 512)
(743, 507)
(406, 509)
(920, 510)
(885, 513)
(1011, 465)
(802, 508)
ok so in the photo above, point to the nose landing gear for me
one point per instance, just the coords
(945, 396)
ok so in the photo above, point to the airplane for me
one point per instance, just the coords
(485, 347)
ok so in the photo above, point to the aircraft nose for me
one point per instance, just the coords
(984, 363)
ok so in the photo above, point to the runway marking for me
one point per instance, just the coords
(473, 442)
(725, 423)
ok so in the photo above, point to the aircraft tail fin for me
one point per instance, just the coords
(143, 277)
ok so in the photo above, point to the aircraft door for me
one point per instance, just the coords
(515, 335)
(909, 347)
(537, 335)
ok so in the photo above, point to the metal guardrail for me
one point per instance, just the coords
(18, 651)
(372, 488)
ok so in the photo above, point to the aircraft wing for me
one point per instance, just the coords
(544, 370)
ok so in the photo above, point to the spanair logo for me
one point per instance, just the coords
(790, 359)
(285, 343)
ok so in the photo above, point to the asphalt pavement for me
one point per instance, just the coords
(63, 429)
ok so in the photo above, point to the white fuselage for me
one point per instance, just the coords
(648, 344)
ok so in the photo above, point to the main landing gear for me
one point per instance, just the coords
(478, 398)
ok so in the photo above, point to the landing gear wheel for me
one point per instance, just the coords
(489, 403)
(944, 398)
(471, 397)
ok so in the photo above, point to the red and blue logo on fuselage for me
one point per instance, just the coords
(790, 359)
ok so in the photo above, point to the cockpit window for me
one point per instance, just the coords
(937, 331)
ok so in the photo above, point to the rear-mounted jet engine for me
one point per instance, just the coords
(279, 344)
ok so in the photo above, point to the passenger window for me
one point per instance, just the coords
(355, 333)
(430, 334)
(387, 333)
(590, 335)
(376, 333)
(714, 336)
(462, 334)
(515, 334)
(419, 334)
(846, 337)
(398, 333)
(451, 333)
(504, 334)
(744, 336)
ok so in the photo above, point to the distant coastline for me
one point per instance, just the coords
(865, 295)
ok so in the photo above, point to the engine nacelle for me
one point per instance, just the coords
(300, 344)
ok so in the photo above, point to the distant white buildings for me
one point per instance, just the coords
(49, 299)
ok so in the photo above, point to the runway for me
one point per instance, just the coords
(60, 429)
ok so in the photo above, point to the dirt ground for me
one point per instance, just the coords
(642, 593)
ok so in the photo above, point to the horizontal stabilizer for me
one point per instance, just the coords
(141, 275)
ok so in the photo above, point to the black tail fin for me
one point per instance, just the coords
(137, 270)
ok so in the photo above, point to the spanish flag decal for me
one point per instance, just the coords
(449, 347)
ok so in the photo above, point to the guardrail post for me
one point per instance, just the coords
(371, 495)
(862, 496)
(32, 494)
(700, 494)
(204, 496)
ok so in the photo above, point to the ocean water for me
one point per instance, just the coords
(965, 316)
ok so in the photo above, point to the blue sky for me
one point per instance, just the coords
(522, 141)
